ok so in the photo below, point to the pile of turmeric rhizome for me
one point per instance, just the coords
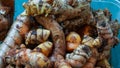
(59, 34)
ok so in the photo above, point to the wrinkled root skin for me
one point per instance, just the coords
(15, 36)
(64, 14)
(6, 19)
(57, 35)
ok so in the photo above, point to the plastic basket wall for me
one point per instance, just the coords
(112, 5)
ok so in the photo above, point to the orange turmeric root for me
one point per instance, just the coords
(15, 36)
(109, 40)
(92, 60)
(8, 7)
(62, 9)
(6, 16)
(4, 26)
(61, 63)
(57, 35)
(79, 56)
(27, 58)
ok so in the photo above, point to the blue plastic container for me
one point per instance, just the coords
(112, 5)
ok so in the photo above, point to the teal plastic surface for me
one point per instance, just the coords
(112, 5)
